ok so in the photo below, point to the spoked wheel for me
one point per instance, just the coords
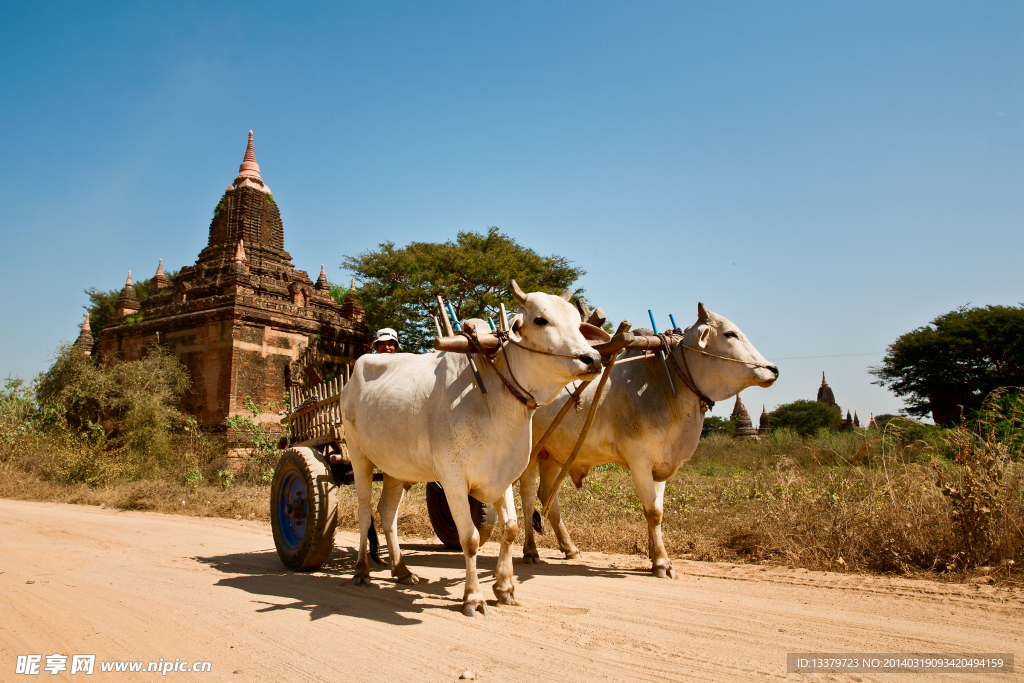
(441, 518)
(303, 509)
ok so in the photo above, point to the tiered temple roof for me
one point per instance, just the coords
(765, 423)
(825, 394)
(242, 315)
(741, 418)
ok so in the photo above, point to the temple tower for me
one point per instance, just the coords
(765, 423)
(825, 394)
(741, 418)
(242, 319)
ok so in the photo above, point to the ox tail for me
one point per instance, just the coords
(374, 544)
(538, 524)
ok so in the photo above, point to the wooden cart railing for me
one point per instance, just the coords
(319, 422)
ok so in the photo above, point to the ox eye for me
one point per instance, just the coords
(732, 335)
(540, 321)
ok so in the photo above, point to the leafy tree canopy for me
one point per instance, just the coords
(948, 367)
(398, 286)
(806, 417)
(136, 402)
(717, 425)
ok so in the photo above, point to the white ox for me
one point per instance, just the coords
(641, 426)
(422, 418)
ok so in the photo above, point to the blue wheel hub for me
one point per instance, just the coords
(293, 509)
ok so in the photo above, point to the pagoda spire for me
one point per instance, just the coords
(127, 302)
(321, 282)
(825, 394)
(160, 280)
(741, 419)
(85, 340)
(249, 170)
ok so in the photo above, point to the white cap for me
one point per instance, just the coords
(386, 334)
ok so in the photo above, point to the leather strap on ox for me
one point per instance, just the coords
(514, 387)
(706, 403)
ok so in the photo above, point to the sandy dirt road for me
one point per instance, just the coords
(141, 586)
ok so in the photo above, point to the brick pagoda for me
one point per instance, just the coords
(243, 320)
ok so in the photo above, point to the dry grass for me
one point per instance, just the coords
(839, 502)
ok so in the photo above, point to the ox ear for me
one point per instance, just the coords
(518, 293)
(515, 327)
(567, 294)
(703, 335)
(703, 316)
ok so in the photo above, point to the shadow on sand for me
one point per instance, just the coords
(328, 590)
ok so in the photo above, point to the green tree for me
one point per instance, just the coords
(949, 366)
(398, 286)
(717, 425)
(806, 417)
(135, 402)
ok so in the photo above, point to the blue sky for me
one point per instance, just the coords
(827, 175)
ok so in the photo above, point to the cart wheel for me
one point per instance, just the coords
(303, 509)
(441, 519)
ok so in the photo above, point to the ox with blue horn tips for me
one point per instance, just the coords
(419, 418)
(640, 425)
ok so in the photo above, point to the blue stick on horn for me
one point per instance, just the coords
(472, 363)
(672, 318)
(661, 353)
(451, 312)
(491, 323)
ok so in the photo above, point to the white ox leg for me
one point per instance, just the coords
(362, 473)
(652, 497)
(505, 508)
(458, 502)
(390, 500)
(528, 494)
(549, 470)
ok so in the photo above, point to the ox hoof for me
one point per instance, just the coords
(470, 607)
(361, 580)
(573, 555)
(410, 580)
(531, 557)
(506, 597)
(664, 572)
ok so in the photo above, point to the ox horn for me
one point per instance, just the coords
(703, 316)
(518, 293)
(567, 294)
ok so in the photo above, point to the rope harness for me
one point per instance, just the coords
(670, 340)
(514, 387)
(706, 403)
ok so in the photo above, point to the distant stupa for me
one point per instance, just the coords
(741, 418)
(825, 394)
(765, 423)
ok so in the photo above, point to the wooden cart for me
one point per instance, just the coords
(304, 491)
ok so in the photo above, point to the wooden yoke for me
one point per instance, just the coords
(460, 344)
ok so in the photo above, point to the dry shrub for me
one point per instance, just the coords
(864, 500)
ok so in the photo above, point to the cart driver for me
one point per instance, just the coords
(386, 341)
